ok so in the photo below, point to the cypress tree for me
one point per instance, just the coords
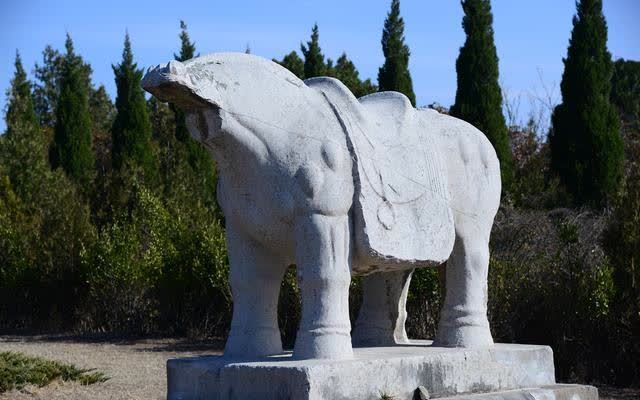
(72, 133)
(200, 161)
(329, 68)
(102, 109)
(103, 113)
(161, 117)
(394, 73)
(367, 87)
(22, 147)
(293, 63)
(625, 90)
(313, 59)
(20, 109)
(163, 132)
(131, 132)
(478, 96)
(47, 90)
(187, 52)
(187, 47)
(346, 71)
(49, 78)
(585, 141)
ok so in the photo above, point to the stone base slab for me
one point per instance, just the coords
(550, 392)
(374, 371)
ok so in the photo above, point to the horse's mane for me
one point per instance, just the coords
(260, 65)
(239, 82)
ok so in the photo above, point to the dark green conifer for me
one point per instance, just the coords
(198, 158)
(103, 113)
(187, 52)
(163, 132)
(162, 125)
(478, 96)
(625, 90)
(346, 71)
(293, 63)
(187, 47)
(48, 82)
(131, 132)
(72, 133)
(22, 147)
(102, 109)
(47, 88)
(394, 74)
(20, 109)
(329, 68)
(368, 87)
(313, 59)
(586, 146)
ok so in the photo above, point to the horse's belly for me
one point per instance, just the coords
(266, 218)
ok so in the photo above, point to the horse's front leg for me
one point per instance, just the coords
(255, 275)
(324, 275)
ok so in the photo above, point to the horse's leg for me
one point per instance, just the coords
(255, 278)
(324, 275)
(383, 314)
(463, 321)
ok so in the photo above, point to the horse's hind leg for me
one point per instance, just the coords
(383, 314)
(463, 321)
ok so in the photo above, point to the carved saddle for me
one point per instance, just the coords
(402, 211)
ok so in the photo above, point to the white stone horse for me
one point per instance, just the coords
(312, 176)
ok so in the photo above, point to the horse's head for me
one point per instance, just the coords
(230, 97)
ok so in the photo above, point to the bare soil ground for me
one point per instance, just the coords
(136, 368)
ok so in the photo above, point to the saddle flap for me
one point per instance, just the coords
(402, 212)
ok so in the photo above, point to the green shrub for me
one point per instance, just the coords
(551, 283)
(289, 308)
(194, 291)
(18, 370)
(157, 266)
(622, 243)
(44, 228)
(124, 266)
(424, 302)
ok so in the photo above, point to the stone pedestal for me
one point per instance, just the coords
(547, 392)
(375, 371)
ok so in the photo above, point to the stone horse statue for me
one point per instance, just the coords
(309, 175)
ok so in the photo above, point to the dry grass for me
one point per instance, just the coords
(18, 371)
(136, 368)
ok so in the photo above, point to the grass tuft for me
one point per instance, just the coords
(387, 396)
(18, 370)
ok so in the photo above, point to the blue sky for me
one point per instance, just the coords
(531, 36)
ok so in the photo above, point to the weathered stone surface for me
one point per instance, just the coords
(402, 208)
(397, 371)
(310, 175)
(383, 312)
(548, 392)
(421, 393)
